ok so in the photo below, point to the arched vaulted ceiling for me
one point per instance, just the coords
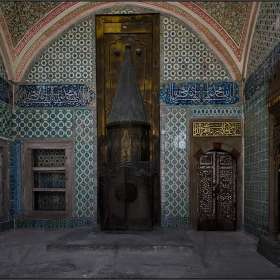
(26, 27)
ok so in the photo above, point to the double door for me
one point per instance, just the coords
(217, 191)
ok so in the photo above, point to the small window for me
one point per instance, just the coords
(4, 184)
(48, 178)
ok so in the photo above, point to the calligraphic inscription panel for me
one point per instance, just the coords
(75, 95)
(204, 129)
(200, 93)
(216, 191)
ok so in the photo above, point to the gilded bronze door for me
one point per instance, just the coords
(217, 191)
(141, 32)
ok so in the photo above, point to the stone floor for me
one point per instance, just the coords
(161, 253)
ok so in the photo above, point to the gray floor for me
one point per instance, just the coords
(162, 253)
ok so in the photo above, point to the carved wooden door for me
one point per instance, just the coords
(216, 191)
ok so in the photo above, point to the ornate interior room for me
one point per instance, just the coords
(131, 115)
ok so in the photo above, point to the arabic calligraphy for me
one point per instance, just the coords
(217, 129)
(5, 92)
(200, 93)
(54, 95)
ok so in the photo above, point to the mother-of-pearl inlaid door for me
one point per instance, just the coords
(216, 191)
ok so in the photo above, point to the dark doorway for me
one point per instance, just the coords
(216, 191)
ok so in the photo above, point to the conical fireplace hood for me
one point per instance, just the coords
(127, 107)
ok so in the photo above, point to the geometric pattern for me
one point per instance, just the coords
(174, 166)
(64, 123)
(266, 34)
(216, 112)
(256, 164)
(68, 59)
(46, 123)
(200, 93)
(53, 95)
(6, 114)
(85, 163)
(186, 57)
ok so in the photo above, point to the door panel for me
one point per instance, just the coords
(216, 191)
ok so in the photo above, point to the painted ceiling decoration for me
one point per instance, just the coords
(27, 27)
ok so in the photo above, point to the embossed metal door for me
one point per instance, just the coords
(216, 191)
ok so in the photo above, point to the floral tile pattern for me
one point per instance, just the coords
(230, 15)
(20, 16)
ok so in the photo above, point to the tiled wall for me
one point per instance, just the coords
(266, 34)
(256, 166)
(174, 165)
(263, 56)
(69, 60)
(6, 114)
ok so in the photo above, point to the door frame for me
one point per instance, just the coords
(199, 146)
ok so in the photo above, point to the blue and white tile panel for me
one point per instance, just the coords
(200, 93)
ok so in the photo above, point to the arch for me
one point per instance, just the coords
(78, 11)
(217, 146)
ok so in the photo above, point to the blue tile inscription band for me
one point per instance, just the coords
(200, 93)
(54, 95)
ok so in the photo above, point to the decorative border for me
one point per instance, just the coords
(216, 112)
(205, 129)
(15, 51)
(54, 95)
(200, 93)
(163, 6)
(65, 223)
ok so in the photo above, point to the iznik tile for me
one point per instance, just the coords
(222, 112)
(200, 93)
(5, 91)
(74, 95)
(174, 164)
